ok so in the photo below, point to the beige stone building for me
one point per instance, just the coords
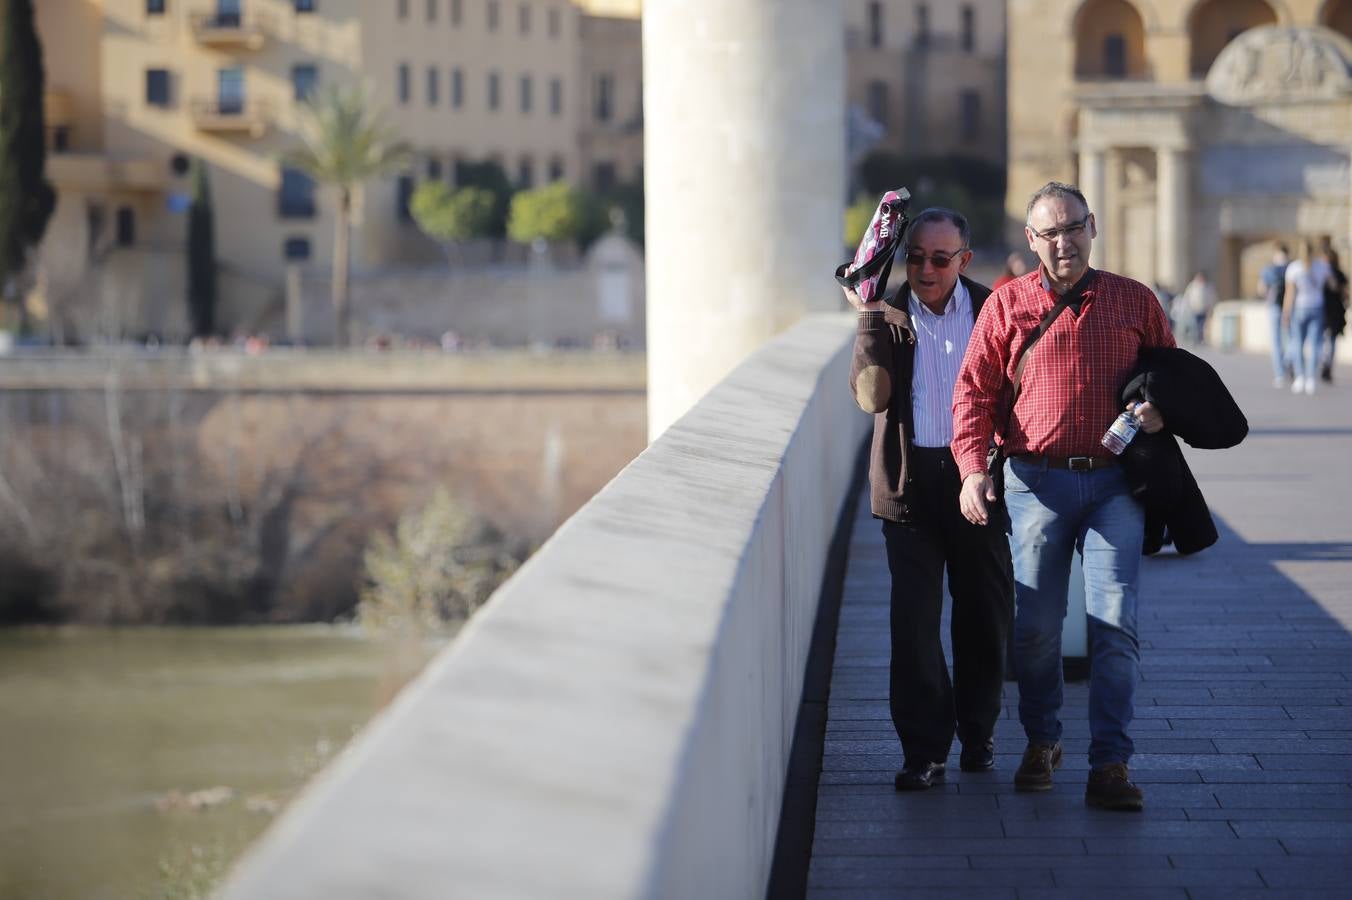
(138, 87)
(932, 74)
(1200, 130)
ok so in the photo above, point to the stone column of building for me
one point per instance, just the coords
(744, 164)
(1172, 192)
(1093, 184)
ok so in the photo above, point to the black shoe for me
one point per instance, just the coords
(1110, 788)
(978, 757)
(1326, 374)
(1039, 762)
(919, 777)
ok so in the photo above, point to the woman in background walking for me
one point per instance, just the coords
(1303, 314)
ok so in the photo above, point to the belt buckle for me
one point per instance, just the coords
(1080, 463)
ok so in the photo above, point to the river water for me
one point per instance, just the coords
(113, 743)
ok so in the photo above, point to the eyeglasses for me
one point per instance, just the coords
(916, 258)
(1072, 231)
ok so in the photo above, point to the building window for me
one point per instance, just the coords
(401, 10)
(296, 249)
(1115, 56)
(305, 6)
(555, 96)
(457, 12)
(154, 7)
(970, 105)
(403, 193)
(457, 88)
(556, 169)
(605, 97)
(877, 101)
(525, 173)
(525, 95)
(304, 79)
(553, 23)
(296, 196)
(922, 25)
(433, 168)
(60, 139)
(968, 29)
(603, 176)
(433, 86)
(126, 226)
(157, 87)
(405, 83)
(875, 24)
(431, 10)
(492, 15)
(493, 90)
(525, 19)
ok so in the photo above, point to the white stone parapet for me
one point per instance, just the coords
(616, 721)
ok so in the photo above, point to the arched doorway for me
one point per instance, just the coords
(1215, 23)
(1337, 14)
(1110, 41)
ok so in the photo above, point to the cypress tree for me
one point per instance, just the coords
(201, 255)
(26, 198)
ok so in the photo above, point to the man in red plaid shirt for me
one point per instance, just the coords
(1064, 490)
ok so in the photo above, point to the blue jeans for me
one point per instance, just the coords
(1307, 327)
(1280, 363)
(1054, 513)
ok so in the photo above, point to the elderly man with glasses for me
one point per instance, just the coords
(907, 353)
(1064, 491)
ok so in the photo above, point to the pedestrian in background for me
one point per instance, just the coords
(1272, 288)
(1335, 313)
(1199, 299)
(1015, 266)
(1303, 314)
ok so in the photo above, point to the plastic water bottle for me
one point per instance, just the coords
(1120, 433)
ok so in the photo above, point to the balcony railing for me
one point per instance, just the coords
(227, 115)
(222, 29)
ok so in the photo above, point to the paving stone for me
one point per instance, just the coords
(1158, 876)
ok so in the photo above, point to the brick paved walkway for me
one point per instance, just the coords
(1244, 714)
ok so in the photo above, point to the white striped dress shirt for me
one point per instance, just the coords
(940, 342)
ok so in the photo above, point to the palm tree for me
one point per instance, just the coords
(346, 143)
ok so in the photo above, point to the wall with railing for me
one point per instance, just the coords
(616, 722)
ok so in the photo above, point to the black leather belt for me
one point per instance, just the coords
(1073, 463)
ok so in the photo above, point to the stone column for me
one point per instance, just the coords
(1093, 184)
(1172, 192)
(744, 162)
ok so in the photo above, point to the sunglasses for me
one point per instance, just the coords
(916, 258)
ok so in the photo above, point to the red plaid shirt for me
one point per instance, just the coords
(1074, 375)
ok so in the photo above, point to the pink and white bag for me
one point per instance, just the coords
(867, 274)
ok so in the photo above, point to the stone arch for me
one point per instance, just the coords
(1110, 41)
(1337, 15)
(1214, 23)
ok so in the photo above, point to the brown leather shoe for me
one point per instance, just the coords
(1109, 788)
(1039, 762)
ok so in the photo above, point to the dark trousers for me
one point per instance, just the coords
(928, 707)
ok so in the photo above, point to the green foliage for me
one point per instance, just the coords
(626, 200)
(26, 197)
(555, 212)
(345, 141)
(448, 215)
(201, 254)
(973, 187)
(489, 176)
(857, 219)
(440, 565)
